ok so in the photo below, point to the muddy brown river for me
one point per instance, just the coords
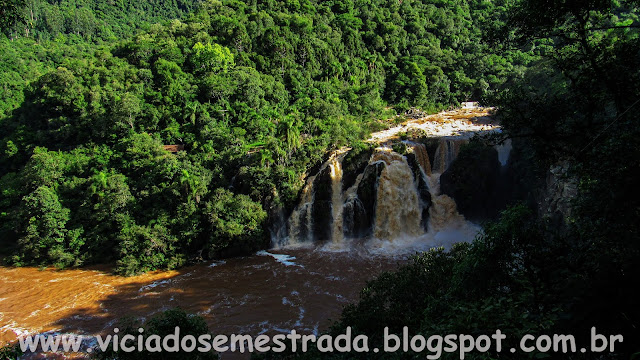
(270, 292)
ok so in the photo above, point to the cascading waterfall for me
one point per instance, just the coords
(445, 222)
(443, 211)
(337, 201)
(392, 198)
(422, 157)
(353, 211)
(504, 151)
(398, 206)
(301, 220)
(446, 152)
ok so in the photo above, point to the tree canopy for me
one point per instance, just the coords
(256, 92)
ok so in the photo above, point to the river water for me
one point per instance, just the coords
(275, 291)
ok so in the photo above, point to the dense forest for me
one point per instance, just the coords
(574, 108)
(258, 92)
(67, 29)
(255, 92)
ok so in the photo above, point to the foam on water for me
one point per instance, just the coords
(217, 263)
(284, 259)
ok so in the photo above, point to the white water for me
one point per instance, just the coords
(504, 152)
(336, 201)
(397, 224)
(398, 205)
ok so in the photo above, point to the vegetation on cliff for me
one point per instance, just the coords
(256, 92)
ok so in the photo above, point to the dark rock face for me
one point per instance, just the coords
(356, 221)
(322, 216)
(304, 231)
(354, 164)
(475, 181)
(415, 113)
(423, 189)
(359, 213)
(425, 202)
(277, 223)
(554, 203)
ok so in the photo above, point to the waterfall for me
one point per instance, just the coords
(422, 157)
(443, 211)
(354, 213)
(446, 225)
(504, 151)
(394, 203)
(278, 227)
(398, 206)
(301, 219)
(336, 200)
(446, 152)
(301, 224)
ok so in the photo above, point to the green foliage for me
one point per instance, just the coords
(211, 58)
(145, 248)
(46, 237)
(10, 13)
(10, 351)
(234, 219)
(158, 327)
(43, 19)
(256, 93)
